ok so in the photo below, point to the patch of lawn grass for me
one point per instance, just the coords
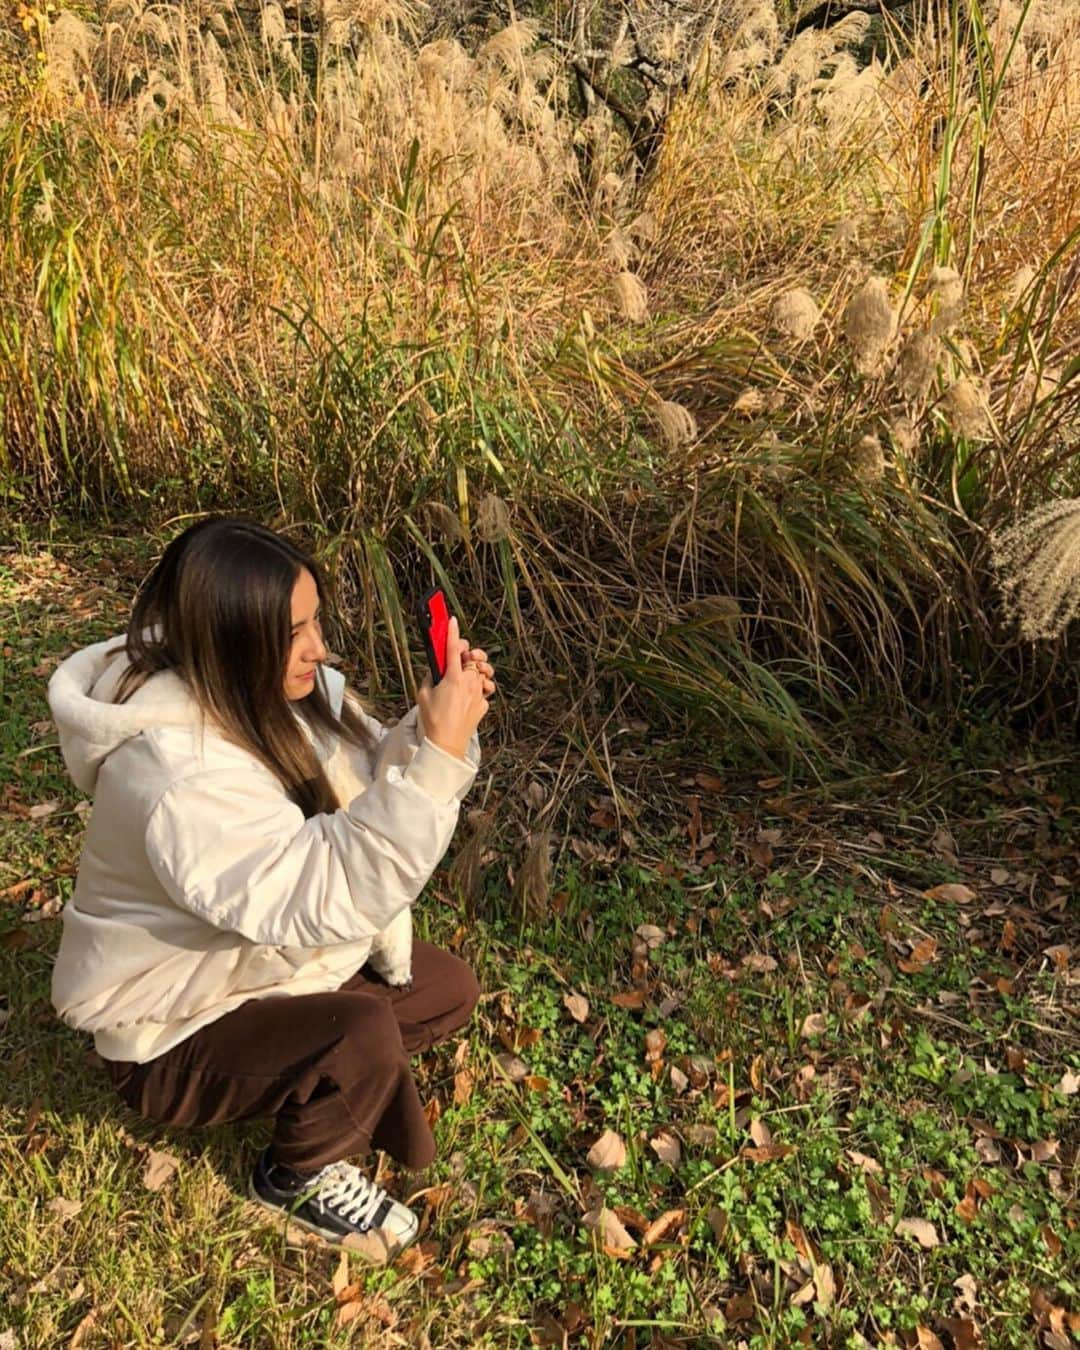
(836, 1102)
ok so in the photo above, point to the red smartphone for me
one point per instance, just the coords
(434, 618)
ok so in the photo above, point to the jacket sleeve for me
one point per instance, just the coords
(231, 847)
(395, 747)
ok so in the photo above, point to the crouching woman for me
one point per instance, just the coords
(239, 939)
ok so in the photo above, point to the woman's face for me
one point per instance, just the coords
(307, 648)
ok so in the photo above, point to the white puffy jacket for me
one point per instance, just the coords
(202, 885)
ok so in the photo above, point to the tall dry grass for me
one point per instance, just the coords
(730, 430)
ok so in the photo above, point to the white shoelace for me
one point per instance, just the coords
(349, 1193)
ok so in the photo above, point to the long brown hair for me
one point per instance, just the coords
(217, 610)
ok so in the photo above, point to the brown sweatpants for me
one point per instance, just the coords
(332, 1069)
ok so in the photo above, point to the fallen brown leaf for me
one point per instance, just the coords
(348, 1312)
(512, 1067)
(740, 1307)
(655, 1044)
(987, 1149)
(954, 892)
(922, 1230)
(1053, 1242)
(805, 1295)
(341, 1274)
(577, 1006)
(825, 1285)
(64, 1209)
(769, 1153)
(83, 1330)
(158, 1169)
(760, 1133)
(667, 1148)
(965, 1334)
(718, 1222)
(922, 953)
(967, 1207)
(615, 1238)
(944, 846)
(701, 1136)
(761, 854)
(813, 1025)
(967, 1290)
(650, 935)
(801, 1242)
(19, 889)
(659, 1228)
(608, 1154)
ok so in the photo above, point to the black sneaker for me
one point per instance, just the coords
(341, 1205)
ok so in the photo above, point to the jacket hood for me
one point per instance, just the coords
(91, 726)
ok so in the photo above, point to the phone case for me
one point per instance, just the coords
(434, 620)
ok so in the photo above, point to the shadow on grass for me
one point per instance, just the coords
(58, 1091)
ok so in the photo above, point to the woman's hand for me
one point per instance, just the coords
(453, 709)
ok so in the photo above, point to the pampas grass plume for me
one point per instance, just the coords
(868, 463)
(1019, 285)
(749, 403)
(620, 249)
(272, 24)
(678, 426)
(510, 44)
(904, 435)
(644, 228)
(633, 297)
(948, 290)
(493, 519)
(915, 366)
(966, 411)
(443, 521)
(795, 314)
(1037, 559)
(870, 324)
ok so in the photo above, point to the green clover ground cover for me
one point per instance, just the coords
(761, 1090)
